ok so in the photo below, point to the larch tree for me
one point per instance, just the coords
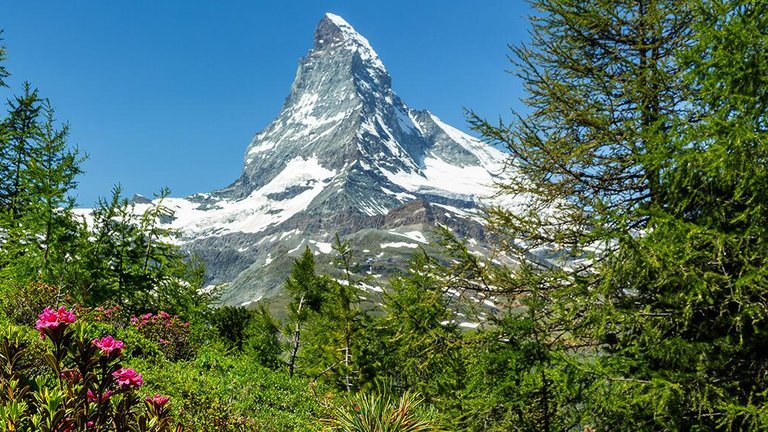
(643, 166)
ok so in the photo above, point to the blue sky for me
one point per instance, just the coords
(169, 93)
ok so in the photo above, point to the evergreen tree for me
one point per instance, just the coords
(3, 71)
(37, 174)
(52, 177)
(231, 324)
(129, 260)
(18, 150)
(417, 345)
(340, 321)
(262, 339)
(308, 292)
(690, 327)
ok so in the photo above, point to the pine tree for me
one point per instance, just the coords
(262, 339)
(39, 172)
(52, 177)
(417, 344)
(343, 310)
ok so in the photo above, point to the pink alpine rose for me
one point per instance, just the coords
(128, 377)
(52, 319)
(157, 400)
(108, 344)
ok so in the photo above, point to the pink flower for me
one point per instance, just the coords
(163, 315)
(51, 319)
(157, 400)
(107, 344)
(128, 377)
(92, 397)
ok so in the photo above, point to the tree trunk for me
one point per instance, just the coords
(296, 339)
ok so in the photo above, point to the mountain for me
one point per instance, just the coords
(345, 155)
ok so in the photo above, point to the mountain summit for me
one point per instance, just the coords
(344, 155)
(334, 32)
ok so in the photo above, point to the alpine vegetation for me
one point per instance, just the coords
(374, 269)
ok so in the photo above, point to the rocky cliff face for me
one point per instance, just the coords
(345, 155)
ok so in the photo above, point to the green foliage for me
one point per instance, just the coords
(37, 171)
(220, 391)
(692, 329)
(416, 345)
(332, 334)
(21, 303)
(130, 262)
(86, 386)
(374, 412)
(304, 284)
(645, 143)
(231, 323)
(308, 291)
(262, 339)
(169, 332)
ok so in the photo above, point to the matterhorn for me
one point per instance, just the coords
(344, 156)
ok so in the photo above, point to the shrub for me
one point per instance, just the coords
(230, 323)
(21, 302)
(168, 331)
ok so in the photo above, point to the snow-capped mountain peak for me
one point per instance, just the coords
(334, 32)
(344, 155)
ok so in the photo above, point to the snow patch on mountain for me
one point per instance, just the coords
(443, 178)
(491, 158)
(301, 181)
(399, 245)
(413, 235)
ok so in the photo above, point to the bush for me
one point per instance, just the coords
(21, 302)
(230, 323)
(168, 331)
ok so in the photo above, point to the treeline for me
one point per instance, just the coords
(643, 164)
(113, 254)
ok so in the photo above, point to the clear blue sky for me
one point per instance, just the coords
(169, 93)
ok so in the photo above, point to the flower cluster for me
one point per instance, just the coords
(127, 377)
(109, 345)
(95, 399)
(51, 319)
(71, 375)
(107, 314)
(157, 400)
